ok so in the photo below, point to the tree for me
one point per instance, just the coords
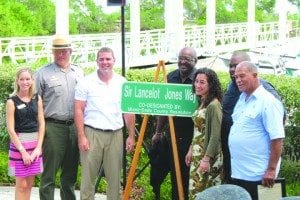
(152, 14)
(86, 17)
(296, 16)
(37, 17)
(43, 12)
(195, 10)
(27, 17)
(230, 11)
(295, 2)
(265, 11)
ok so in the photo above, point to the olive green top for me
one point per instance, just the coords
(213, 120)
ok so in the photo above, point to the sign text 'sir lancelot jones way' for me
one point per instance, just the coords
(158, 99)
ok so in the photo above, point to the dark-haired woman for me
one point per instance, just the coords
(205, 155)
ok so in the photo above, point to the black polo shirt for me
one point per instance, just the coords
(184, 126)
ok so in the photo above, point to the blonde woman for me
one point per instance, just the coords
(26, 128)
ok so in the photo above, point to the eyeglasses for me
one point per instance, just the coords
(186, 59)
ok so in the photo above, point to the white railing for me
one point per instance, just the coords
(152, 44)
(231, 36)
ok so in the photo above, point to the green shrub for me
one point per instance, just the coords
(293, 189)
(288, 88)
(4, 178)
(6, 80)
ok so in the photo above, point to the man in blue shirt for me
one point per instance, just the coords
(230, 98)
(256, 136)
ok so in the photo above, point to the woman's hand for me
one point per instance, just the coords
(204, 166)
(188, 157)
(36, 153)
(25, 156)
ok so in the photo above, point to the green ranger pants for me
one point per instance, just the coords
(60, 151)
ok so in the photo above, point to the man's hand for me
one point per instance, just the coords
(83, 143)
(130, 144)
(269, 178)
(156, 137)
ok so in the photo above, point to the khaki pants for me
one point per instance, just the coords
(106, 148)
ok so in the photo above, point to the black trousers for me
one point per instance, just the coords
(250, 186)
(225, 150)
(183, 145)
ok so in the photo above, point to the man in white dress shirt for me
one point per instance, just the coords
(99, 122)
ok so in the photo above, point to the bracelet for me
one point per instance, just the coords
(21, 148)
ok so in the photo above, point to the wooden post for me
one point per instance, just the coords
(135, 158)
(176, 159)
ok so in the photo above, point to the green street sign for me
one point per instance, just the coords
(158, 99)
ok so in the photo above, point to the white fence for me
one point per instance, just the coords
(153, 44)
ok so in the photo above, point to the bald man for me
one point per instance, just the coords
(256, 136)
(184, 126)
(230, 98)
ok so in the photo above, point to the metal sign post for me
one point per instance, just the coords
(123, 74)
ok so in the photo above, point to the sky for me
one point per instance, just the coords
(290, 7)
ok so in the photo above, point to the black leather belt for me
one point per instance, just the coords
(103, 130)
(66, 122)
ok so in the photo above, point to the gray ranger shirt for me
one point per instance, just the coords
(57, 89)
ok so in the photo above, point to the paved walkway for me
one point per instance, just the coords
(8, 193)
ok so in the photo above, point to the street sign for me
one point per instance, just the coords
(158, 99)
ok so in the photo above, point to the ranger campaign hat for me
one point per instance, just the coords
(61, 42)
